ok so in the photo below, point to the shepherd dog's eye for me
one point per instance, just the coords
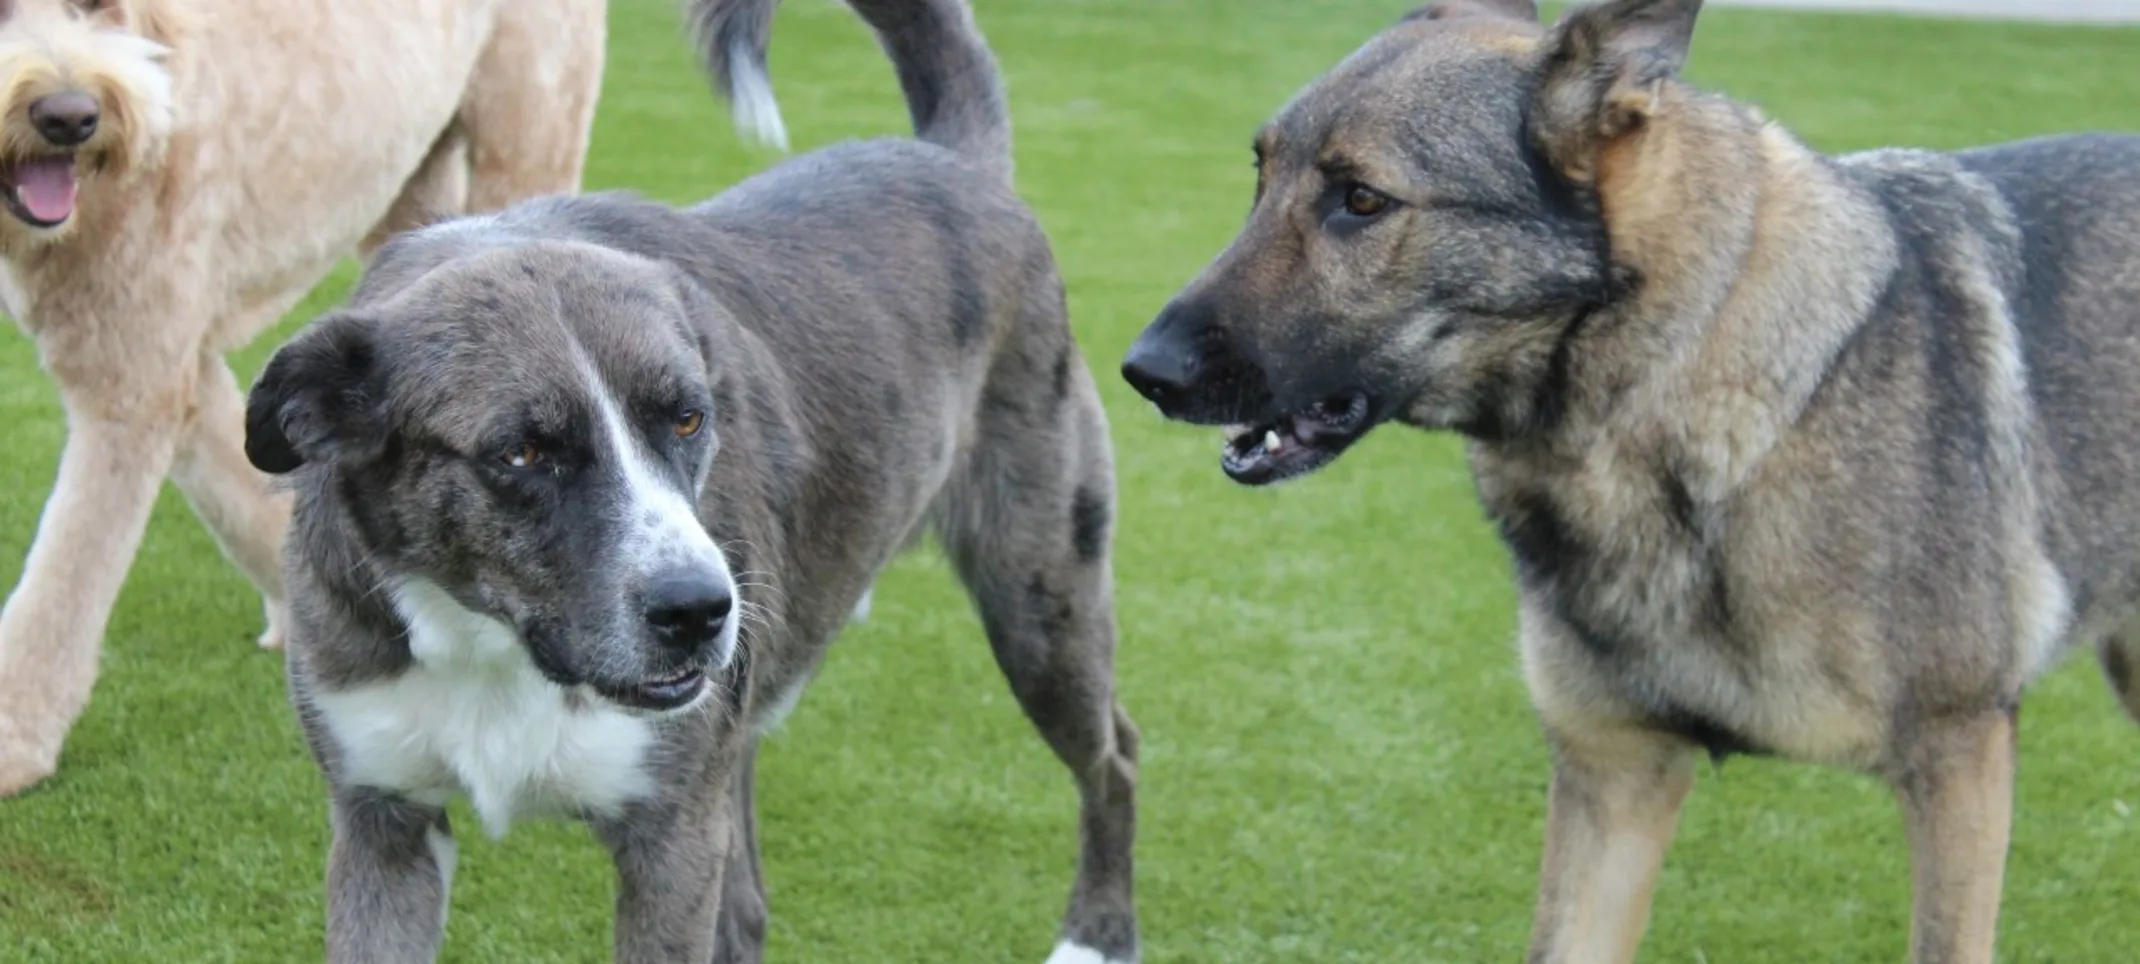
(1362, 201)
(522, 455)
(688, 423)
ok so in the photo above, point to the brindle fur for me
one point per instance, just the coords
(1825, 457)
(879, 332)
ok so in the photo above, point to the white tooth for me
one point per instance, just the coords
(1270, 440)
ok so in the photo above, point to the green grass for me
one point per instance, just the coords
(1339, 761)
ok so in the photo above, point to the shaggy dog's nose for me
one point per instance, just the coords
(66, 118)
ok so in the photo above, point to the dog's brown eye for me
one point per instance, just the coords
(688, 425)
(521, 456)
(1365, 202)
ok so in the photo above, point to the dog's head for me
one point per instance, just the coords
(86, 95)
(526, 426)
(1426, 232)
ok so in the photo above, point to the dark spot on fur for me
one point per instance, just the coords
(1062, 375)
(1680, 503)
(1052, 612)
(1719, 601)
(1720, 741)
(1539, 538)
(1088, 524)
(967, 310)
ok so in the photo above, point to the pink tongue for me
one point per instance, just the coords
(45, 187)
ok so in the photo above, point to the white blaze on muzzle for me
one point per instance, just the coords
(662, 532)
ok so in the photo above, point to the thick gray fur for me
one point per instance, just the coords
(877, 332)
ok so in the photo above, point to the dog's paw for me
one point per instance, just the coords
(1069, 953)
(23, 764)
(277, 632)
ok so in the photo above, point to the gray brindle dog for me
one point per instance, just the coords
(1821, 457)
(585, 489)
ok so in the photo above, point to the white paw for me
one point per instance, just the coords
(277, 631)
(1068, 953)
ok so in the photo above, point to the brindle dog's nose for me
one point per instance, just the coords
(66, 118)
(686, 611)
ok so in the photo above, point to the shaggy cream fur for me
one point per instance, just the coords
(241, 148)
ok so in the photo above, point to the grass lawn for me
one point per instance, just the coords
(1339, 763)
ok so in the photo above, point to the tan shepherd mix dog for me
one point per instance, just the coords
(178, 174)
(1821, 457)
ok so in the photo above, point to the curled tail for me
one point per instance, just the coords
(954, 91)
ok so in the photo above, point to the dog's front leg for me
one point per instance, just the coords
(1610, 816)
(52, 627)
(389, 873)
(1956, 784)
(669, 865)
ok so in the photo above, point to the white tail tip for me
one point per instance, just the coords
(757, 113)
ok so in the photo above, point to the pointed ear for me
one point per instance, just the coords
(1522, 10)
(1605, 65)
(318, 397)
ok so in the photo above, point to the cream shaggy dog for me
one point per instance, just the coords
(175, 176)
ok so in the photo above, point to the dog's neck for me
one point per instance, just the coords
(1716, 211)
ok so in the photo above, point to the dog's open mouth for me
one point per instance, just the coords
(1295, 444)
(666, 693)
(40, 190)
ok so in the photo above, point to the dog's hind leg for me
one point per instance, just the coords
(235, 501)
(1610, 816)
(1026, 523)
(2120, 657)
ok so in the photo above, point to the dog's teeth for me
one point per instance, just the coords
(1271, 441)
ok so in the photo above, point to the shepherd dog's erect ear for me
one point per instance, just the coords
(1605, 65)
(318, 398)
(1523, 10)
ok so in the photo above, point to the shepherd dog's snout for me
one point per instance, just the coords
(687, 609)
(65, 119)
(1183, 364)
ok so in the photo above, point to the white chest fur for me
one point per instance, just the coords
(473, 716)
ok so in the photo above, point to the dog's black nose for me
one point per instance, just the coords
(66, 118)
(1162, 365)
(1158, 375)
(687, 611)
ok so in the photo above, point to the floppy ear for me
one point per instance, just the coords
(1523, 10)
(1605, 65)
(317, 397)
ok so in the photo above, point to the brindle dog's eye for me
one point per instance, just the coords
(522, 455)
(1362, 201)
(689, 422)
